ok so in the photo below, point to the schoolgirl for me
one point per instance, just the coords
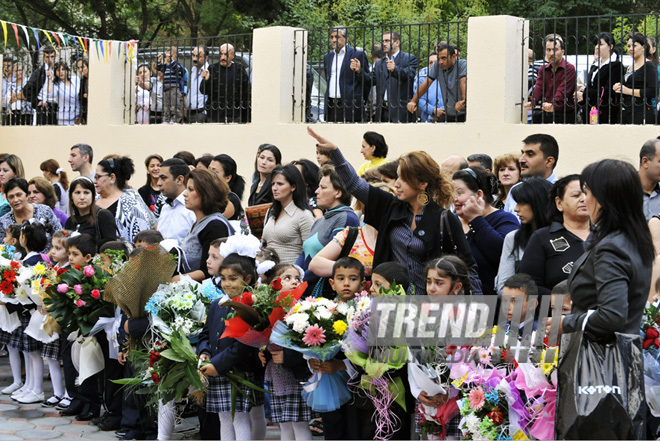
(237, 271)
(285, 372)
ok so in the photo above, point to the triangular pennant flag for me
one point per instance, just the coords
(36, 37)
(59, 45)
(27, 39)
(64, 39)
(49, 39)
(4, 28)
(107, 51)
(109, 48)
(86, 44)
(13, 25)
(96, 43)
(97, 48)
(81, 43)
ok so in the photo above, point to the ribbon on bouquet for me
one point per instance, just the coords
(86, 355)
(111, 327)
(8, 322)
(313, 383)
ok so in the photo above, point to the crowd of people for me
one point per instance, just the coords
(471, 226)
(54, 93)
(382, 84)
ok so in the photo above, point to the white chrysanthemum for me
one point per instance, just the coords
(305, 306)
(293, 317)
(322, 301)
(300, 324)
(179, 322)
(322, 313)
(473, 424)
(342, 308)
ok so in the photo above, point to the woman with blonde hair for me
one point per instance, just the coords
(58, 178)
(415, 226)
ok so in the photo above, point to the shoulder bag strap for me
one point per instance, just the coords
(351, 237)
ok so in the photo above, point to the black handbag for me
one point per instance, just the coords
(600, 393)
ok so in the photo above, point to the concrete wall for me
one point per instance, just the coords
(495, 74)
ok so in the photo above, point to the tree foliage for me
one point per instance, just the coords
(148, 20)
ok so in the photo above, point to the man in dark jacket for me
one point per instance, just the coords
(345, 68)
(227, 86)
(394, 76)
(36, 90)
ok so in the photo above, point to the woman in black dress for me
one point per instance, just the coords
(603, 74)
(268, 157)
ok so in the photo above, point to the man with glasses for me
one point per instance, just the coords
(394, 76)
(197, 100)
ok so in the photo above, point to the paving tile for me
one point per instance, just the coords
(4, 437)
(18, 425)
(50, 421)
(38, 434)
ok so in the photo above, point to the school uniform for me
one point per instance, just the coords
(228, 354)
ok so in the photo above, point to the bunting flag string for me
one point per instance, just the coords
(103, 47)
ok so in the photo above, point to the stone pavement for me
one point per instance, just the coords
(34, 422)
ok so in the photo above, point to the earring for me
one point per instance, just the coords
(423, 198)
(112, 182)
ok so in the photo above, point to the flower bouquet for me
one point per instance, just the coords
(179, 307)
(30, 280)
(376, 365)
(169, 365)
(10, 287)
(315, 327)
(9, 322)
(485, 413)
(650, 331)
(76, 299)
(257, 312)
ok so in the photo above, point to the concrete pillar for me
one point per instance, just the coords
(108, 91)
(272, 79)
(495, 69)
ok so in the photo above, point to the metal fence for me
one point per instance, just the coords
(371, 73)
(592, 70)
(43, 85)
(203, 80)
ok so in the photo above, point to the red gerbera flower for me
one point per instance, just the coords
(14, 265)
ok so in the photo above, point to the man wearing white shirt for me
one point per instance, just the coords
(175, 219)
(36, 90)
(7, 83)
(347, 73)
(539, 157)
(196, 99)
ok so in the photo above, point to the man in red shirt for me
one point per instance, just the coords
(555, 86)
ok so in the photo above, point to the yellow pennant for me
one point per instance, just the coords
(4, 28)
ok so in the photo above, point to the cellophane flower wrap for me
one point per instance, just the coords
(30, 280)
(375, 366)
(650, 332)
(10, 287)
(315, 327)
(75, 298)
(167, 367)
(8, 322)
(256, 312)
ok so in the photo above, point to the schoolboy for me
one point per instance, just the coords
(347, 280)
(519, 288)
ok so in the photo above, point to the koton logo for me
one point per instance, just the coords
(598, 389)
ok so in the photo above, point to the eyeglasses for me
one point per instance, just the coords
(97, 177)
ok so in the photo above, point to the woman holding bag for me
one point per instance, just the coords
(609, 285)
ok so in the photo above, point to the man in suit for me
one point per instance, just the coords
(347, 73)
(394, 76)
(36, 90)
